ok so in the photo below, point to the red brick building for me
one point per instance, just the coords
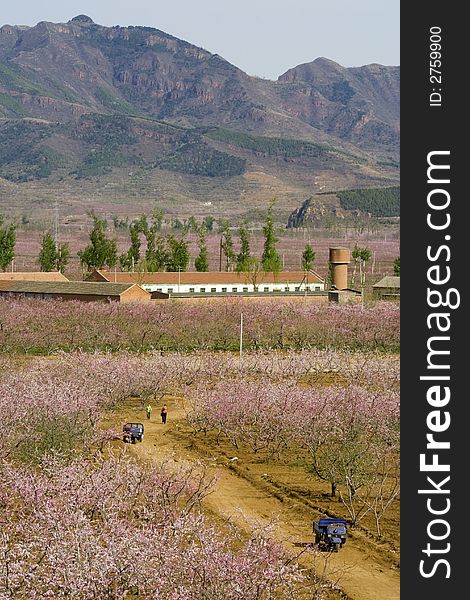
(82, 291)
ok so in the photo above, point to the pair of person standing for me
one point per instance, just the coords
(163, 412)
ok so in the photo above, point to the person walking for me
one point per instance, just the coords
(164, 413)
(149, 411)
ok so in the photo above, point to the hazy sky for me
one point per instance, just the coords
(262, 37)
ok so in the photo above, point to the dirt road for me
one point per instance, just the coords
(360, 570)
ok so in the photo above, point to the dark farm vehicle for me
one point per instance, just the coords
(330, 534)
(133, 432)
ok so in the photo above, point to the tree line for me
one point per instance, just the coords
(163, 252)
(168, 252)
(171, 253)
(53, 256)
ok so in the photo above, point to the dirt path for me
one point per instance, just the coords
(358, 568)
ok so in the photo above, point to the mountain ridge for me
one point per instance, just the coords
(165, 77)
(161, 102)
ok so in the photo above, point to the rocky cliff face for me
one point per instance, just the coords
(314, 210)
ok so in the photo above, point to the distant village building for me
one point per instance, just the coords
(82, 291)
(216, 282)
(33, 276)
(388, 288)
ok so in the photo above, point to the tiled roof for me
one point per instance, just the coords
(389, 281)
(33, 276)
(351, 290)
(65, 287)
(215, 277)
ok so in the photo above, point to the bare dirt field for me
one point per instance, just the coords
(249, 492)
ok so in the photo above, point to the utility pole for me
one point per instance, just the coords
(241, 338)
(56, 223)
(362, 275)
(220, 254)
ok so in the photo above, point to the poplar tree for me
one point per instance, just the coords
(157, 253)
(244, 255)
(201, 262)
(101, 251)
(270, 260)
(396, 266)
(361, 257)
(308, 258)
(48, 253)
(131, 258)
(192, 224)
(227, 246)
(7, 243)
(254, 270)
(208, 223)
(62, 257)
(52, 256)
(178, 255)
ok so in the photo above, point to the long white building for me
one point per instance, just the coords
(217, 282)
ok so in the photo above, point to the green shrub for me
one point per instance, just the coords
(197, 158)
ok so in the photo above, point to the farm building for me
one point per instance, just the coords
(33, 276)
(217, 282)
(388, 288)
(75, 290)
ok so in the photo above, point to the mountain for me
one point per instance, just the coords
(79, 101)
(360, 104)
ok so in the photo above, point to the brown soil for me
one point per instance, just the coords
(250, 491)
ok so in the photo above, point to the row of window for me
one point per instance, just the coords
(213, 290)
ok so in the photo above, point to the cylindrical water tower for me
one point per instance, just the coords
(340, 259)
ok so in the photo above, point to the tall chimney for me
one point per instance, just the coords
(340, 259)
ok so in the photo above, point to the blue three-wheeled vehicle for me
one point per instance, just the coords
(330, 534)
(133, 432)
